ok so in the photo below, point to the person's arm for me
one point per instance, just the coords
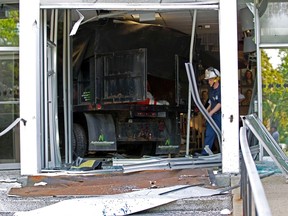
(208, 108)
(215, 109)
(241, 97)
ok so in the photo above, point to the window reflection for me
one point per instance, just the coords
(9, 106)
(9, 27)
(274, 23)
(274, 69)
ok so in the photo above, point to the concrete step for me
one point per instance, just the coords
(14, 204)
(211, 205)
(197, 206)
(180, 213)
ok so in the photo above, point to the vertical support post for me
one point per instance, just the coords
(29, 79)
(249, 197)
(244, 182)
(259, 72)
(67, 88)
(229, 85)
(52, 99)
(65, 33)
(189, 91)
(44, 92)
(70, 90)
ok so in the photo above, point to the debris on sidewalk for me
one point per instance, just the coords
(81, 164)
(40, 184)
(63, 184)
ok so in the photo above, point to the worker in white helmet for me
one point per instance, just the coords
(212, 75)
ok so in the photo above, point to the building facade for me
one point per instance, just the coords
(28, 90)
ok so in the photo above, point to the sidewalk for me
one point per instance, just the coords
(276, 190)
(10, 204)
(200, 200)
(275, 186)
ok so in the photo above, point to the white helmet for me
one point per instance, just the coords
(211, 73)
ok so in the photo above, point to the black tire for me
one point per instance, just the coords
(148, 148)
(79, 141)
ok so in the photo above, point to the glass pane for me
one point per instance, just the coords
(274, 23)
(9, 106)
(9, 76)
(9, 142)
(275, 91)
(268, 142)
(9, 26)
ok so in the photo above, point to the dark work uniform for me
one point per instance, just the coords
(210, 134)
